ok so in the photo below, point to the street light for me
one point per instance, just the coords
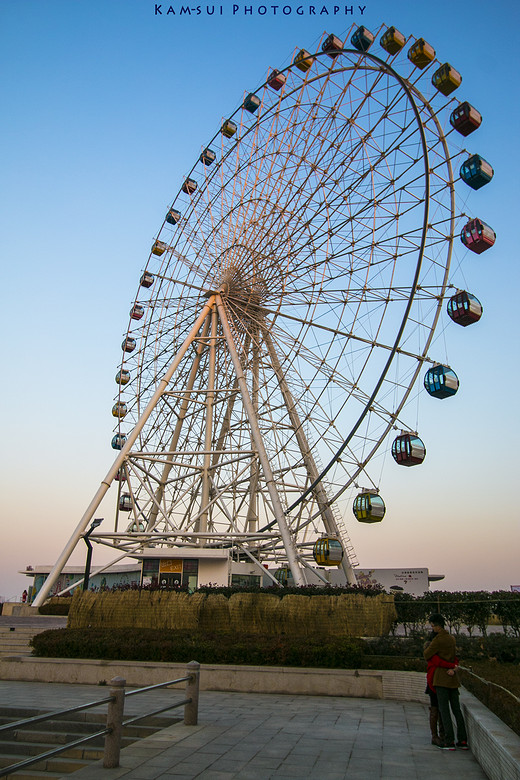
(93, 526)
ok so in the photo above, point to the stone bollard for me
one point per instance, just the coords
(114, 723)
(191, 710)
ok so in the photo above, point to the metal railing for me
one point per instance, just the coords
(114, 724)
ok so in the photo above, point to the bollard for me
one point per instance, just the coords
(191, 710)
(114, 723)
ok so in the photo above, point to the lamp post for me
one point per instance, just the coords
(93, 526)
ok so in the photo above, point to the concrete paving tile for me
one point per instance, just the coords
(371, 768)
(266, 764)
(291, 770)
(335, 764)
(411, 774)
(322, 775)
(145, 772)
(228, 765)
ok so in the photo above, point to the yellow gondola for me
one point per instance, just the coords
(421, 53)
(303, 60)
(328, 551)
(229, 128)
(369, 507)
(392, 40)
(446, 79)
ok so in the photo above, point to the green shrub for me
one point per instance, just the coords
(181, 647)
(58, 606)
(291, 590)
(507, 609)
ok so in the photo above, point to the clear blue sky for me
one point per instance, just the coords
(106, 106)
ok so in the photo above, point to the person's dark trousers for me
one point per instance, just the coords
(449, 697)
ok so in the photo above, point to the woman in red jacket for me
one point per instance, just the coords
(447, 685)
(436, 727)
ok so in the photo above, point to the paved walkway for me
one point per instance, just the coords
(269, 737)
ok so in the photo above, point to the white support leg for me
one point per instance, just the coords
(105, 484)
(262, 454)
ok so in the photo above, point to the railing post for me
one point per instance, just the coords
(191, 710)
(114, 723)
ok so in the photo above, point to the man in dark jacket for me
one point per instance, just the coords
(447, 685)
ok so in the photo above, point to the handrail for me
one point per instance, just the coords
(156, 712)
(51, 753)
(159, 685)
(53, 714)
(115, 723)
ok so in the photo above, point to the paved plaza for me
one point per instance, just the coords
(267, 736)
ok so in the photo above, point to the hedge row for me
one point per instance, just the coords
(471, 609)
(148, 644)
(181, 647)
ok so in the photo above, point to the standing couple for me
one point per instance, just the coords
(443, 687)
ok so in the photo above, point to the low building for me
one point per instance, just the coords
(192, 567)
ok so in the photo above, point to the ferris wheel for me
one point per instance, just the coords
(288, 308)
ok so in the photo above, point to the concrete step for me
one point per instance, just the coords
(28, 748)
(15, 640)
(22, 743)
(34, 774)
(61, 766)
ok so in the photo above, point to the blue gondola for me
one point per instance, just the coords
(208, 156)
(369, 507)
(362, 39)
(252, 103)
(173, 216)
(464, 308)
(328, 551)
(408, 450)
(441, 381)
(476, 172)
(118, 441)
